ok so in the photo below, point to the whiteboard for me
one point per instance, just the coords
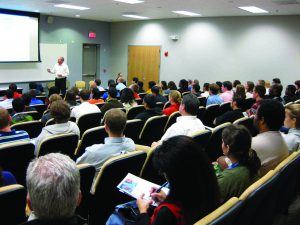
(37, 71)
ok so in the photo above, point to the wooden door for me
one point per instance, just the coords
(144, 63)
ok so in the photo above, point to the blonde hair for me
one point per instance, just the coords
(293, 111)
(176, 96)
(267, 84)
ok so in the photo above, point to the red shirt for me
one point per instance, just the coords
(172, 108)
(174, 208)
(16, 95)
(136, 95)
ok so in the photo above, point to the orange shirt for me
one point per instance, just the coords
(95, 101)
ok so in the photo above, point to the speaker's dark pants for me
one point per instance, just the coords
(61, 84)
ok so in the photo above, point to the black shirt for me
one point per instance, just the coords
(229, 116)
(144, 116)
(110, 104)
(75, 220)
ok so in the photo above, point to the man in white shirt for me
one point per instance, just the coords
(61, 71)
(187, 123)
(120, 86)
(7, 103)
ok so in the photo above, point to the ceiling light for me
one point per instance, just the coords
(130, 1)
(71, 7)
(186, 13)
(135, 16)
(253, 9)
(78, 16)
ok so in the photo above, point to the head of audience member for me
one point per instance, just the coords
(53, 90)
(53, 185)
(259, 92)
(32, 85)
(60, 111)
(13, 87)
(141, 85)
(84, 95)
(226, 86)
(249, 86)
(27, 99)
(70, 98)
(213, 89)
(275, 90)
(127, 96)
(219, 83)
(276, 81)
(149, 101)
(75, 90)
(5, 120)
(237, 102)
(53, 98)
(181, 155)
(156, 90)
(112, 92)
(196, 82)
(205, 87)
(60, 60)
(18, 105)
(189, 82)
(261, 82)
(236, 145)
(183, 85)
(269, 116)
(235, 83)
(32, 93)
(172, 85)
(297, 84)
(115, 122)
(195, 88)
(110, 82)
(240, 90)
(96, 93)
(290, 90)
(175, 97)
(292, 116)
(189, 105)
(135, 80)
(9, 94)
(163, 85)
(97, 82)
(151, 84)
(267, 84)
(135, 88)
(121, 80)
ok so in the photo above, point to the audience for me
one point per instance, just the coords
(27, 99)
(7, 102)
(149, 103)
(14, 89)
(97, 82)
(297, 84)
(111, 101)
(156, 91)
(47, 115)
(175, 100)
(276, 81)
(258, 94)
(290, 94)
(249, 86)
(234, 84)
(240, 91)
(141, 84)
(135, 80)
(96, 96)
(164, 86)
(150, 85)
(227, 93)
(120, 84)
(19, 107)
(213, 97)
(52, 90)
(269, 144)
(275, 92)
(33, 86)
(183, 86)
(127, 98)
(171, 86)
(196, 90)
(205, 90)
(34, 100)
(70, 98)
(135, 89)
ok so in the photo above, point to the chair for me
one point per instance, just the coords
(34, 114)
(134, 111)
(42, 97)
(214, 146)
(95, 135)
(202, 101)
(139, 101)
(91, 83)
(100, 105)
(104, 194)
(185, 93)
(202, 137)
(223, 215)
(87, 173)
(65, 143)
(13, 204)
(80, 84)
(15, 158)
(211, 112)
(50, 122)
(152, 130)
(171, 120)
(33, 128)
(167, 104)
(133, 129)
(297, 101)
(200, 112)
(247, 122)
(224, 107)
(160, 105)
(88, 121)
(41, 108)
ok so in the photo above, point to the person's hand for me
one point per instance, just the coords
(222, 163)
(142, 204)
(158, 197)
(48, 70)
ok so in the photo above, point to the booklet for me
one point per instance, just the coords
(136, 186)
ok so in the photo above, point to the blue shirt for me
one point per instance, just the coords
(214, 99)
(105, 95)
(13, 136)
(35, 101)
(120, 86)
(8, 178)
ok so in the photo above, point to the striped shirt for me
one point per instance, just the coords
(13, 136)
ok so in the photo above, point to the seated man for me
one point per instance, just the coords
(227, 93)
(19, 107)
(111, 101)
(34, 86)
(149, 103)
(14, 88)
(7, 135)
(115, 144)
(27, 99)
(7, 103)
(60, 111)
(53, 185)
(258, 94)
(213, 97)
(269, 144)
(34, 100)
(158, 97)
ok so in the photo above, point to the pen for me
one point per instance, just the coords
(159, 189)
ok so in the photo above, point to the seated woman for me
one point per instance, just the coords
(242, 162)
(47, 115)
(189, 199)
(96, 96)
(6, 178)
(292, 121)
(70, 98)
(175, 100)
(135, 89)
(127, 98)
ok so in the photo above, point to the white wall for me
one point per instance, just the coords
(211, 49)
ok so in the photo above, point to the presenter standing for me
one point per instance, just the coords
(61, 71)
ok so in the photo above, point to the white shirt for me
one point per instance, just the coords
(249, 95)
(84, 108)
(100, 88)
(205, 94)
(6, 104)
(185, 125)
(62, 69)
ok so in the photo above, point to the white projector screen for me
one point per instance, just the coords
(19, 39)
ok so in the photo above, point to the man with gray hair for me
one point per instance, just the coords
(53, 184)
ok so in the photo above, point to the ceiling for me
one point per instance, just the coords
(109, 10)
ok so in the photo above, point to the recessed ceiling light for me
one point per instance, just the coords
(135, 16)
(130, 1)
(186, 13)
(71, 7)
(253, 9)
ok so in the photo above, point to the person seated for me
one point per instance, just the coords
(269, 143)
(292, 122)
(127, 98)
(27, 99)
(50, 201)
(8, 135)
(111, 83)
(190, 84)
(240, 91)
(205, 90)
(85, 107)
(120, 84)
(47, 115)
(135, 80)
(6, 178)
(98, 84)
(275, 92)
(7, 102)
(276, 81)
(96, 96)
(213, 97)
(115, 144)
(60, 111)
(34, 100)
(19, 107)
(227, 93)
(149, 103)
(183, 86)
(243, 166)
(141, 84)
(111, 101)
(135, 89)
(234, 84)
(14, 88)
(234, 114)
(196, 90)
(175, 100)
(258, 94)
(171, 87)
(290, 94)
(70, 98)
(249, 86)
(33, 86)
(52, 90)
(297, 85)
(156, 91)
(164, 87)
(150, 85)
(184, 204)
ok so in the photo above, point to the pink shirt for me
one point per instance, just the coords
(227, 96)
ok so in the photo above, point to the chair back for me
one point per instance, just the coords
(88, 121)
(133, 129)
(134, 111)
(167, 104)
(13, 204)
(105, 194)
(99, 105)
(211, 112)
(185, 93)
(64, 143)
(139, 101)
(50, 122)
(80, 84)
(41, 108)
(33, 128)
(142, 95)
(214, 146)
(200, 112)
(153, 130)
(90, 137)
(297, 101)
(160, 105)
(202, 100)
(34, 114)
(202, 137)
(247, 122)
(15, 158)
(224, 107)
(171, 120)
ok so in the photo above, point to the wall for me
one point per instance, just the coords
(211, 49)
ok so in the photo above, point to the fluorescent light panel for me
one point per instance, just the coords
(135, 16)
(71, 7)
(130, 1)
(186, 13)
(253, 9)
